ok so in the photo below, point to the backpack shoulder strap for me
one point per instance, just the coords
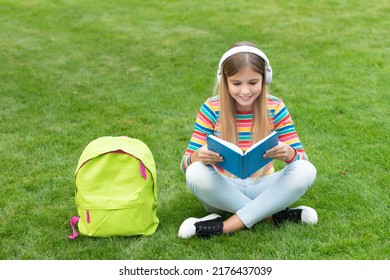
(73, 221)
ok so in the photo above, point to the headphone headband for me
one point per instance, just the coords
(246, 49)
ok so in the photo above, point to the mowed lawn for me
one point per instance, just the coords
(72, 71)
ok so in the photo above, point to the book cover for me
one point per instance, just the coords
(242, 164)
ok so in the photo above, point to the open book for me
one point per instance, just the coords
(238, 163)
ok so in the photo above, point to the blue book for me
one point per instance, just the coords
(242, 164)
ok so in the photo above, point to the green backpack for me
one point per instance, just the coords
(116, 189)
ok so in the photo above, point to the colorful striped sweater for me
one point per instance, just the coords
(206, 123)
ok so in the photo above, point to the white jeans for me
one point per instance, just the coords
(252, 199)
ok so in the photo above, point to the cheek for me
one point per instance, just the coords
(257, 89)
(233, 90)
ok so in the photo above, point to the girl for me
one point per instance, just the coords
(243, 113)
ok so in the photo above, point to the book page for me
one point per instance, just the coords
(227, 144)
(261, 141)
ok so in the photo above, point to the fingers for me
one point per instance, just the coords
(209, 157)
(279, 152)
(276, 155)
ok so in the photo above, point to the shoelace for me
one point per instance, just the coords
(287, 214)
(293, 214)
(209, 228)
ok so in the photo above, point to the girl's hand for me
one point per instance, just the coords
(206, 156)
(282, 152)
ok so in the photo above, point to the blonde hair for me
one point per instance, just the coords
(227, 115)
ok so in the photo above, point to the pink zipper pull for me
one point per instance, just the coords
(88, 217)
(142, 170)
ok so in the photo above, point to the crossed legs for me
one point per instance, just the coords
(250, 200)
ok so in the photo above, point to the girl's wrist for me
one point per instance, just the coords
(291, 159)
(194, 156)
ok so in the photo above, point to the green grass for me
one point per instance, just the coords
(72, 71)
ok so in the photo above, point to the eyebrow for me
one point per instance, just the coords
(252, 80)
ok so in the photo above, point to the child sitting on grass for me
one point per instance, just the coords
(243, 113)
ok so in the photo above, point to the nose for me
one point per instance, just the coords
(245, 90)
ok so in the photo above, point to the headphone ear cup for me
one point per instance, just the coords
(268, 76)
(219, 76)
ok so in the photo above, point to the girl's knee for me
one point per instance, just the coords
(196, 171)
(311, 172)
(304, 167)
(199, 176)
(304, 171)
(307, 168)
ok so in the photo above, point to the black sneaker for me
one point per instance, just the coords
(204, 227)
(303, 214)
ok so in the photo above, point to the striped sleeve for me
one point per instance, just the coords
(204, 125)
(286, 129)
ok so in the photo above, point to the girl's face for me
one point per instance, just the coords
(245, 86)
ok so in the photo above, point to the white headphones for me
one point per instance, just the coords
(246, 49)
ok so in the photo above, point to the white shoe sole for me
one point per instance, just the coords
(309, 215)
(187, 228)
